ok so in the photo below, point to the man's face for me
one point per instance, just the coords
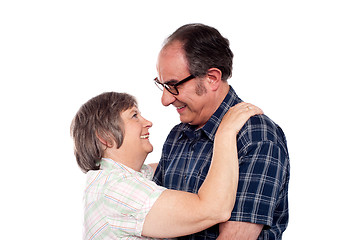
(191, 102)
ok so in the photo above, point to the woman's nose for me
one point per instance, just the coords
(147, 124)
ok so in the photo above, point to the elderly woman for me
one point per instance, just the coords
(111, 143)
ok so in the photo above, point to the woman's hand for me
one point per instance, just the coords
(237, 116)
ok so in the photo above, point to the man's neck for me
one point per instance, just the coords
(216, 101)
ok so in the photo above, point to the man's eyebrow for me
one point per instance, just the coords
(171, 82)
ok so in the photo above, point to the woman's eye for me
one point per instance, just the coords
(135, 115)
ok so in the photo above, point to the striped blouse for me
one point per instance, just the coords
(117, 200)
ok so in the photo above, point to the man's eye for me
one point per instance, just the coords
(170, 86)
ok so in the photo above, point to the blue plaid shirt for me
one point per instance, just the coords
(262, 195)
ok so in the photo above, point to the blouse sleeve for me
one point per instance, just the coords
(127, 203)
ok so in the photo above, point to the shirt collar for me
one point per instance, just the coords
(210, 128)
(109, 165)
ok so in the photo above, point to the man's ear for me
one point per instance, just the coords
(214, 78)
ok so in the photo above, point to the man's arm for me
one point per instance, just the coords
(263, 174)
(239, 230)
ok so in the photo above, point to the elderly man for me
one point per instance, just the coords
(194, 66)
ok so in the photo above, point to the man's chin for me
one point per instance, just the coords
(186, 120)
(191, 122)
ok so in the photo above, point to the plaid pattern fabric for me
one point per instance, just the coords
(117, 200)
(262, 195)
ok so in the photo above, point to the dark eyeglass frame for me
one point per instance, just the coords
(172, 88)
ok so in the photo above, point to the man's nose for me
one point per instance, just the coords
(167, 98)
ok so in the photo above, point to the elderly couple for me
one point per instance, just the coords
(224, 170)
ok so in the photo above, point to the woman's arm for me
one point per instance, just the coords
(178, 213)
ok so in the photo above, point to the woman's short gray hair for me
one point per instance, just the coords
(100, 117)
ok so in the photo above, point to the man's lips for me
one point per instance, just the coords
(181, 108)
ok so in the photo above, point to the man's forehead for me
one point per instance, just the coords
(171, 65)
(173, 46)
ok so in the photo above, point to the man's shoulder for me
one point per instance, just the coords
(261, 128)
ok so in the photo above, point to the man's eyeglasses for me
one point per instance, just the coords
(172, 88)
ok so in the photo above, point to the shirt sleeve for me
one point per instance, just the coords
(158, 175)
(127, 203)
(170, 142)
(261, 174)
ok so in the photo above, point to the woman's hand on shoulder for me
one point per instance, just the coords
(237, 116)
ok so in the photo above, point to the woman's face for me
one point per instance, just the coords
(136, 135)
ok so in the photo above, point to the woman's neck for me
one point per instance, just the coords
(126, 158)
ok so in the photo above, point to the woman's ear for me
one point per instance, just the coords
(214, 78)
(105, 139)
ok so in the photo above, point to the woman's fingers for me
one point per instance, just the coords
(238, 115)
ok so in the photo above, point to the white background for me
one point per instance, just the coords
(55, 55)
